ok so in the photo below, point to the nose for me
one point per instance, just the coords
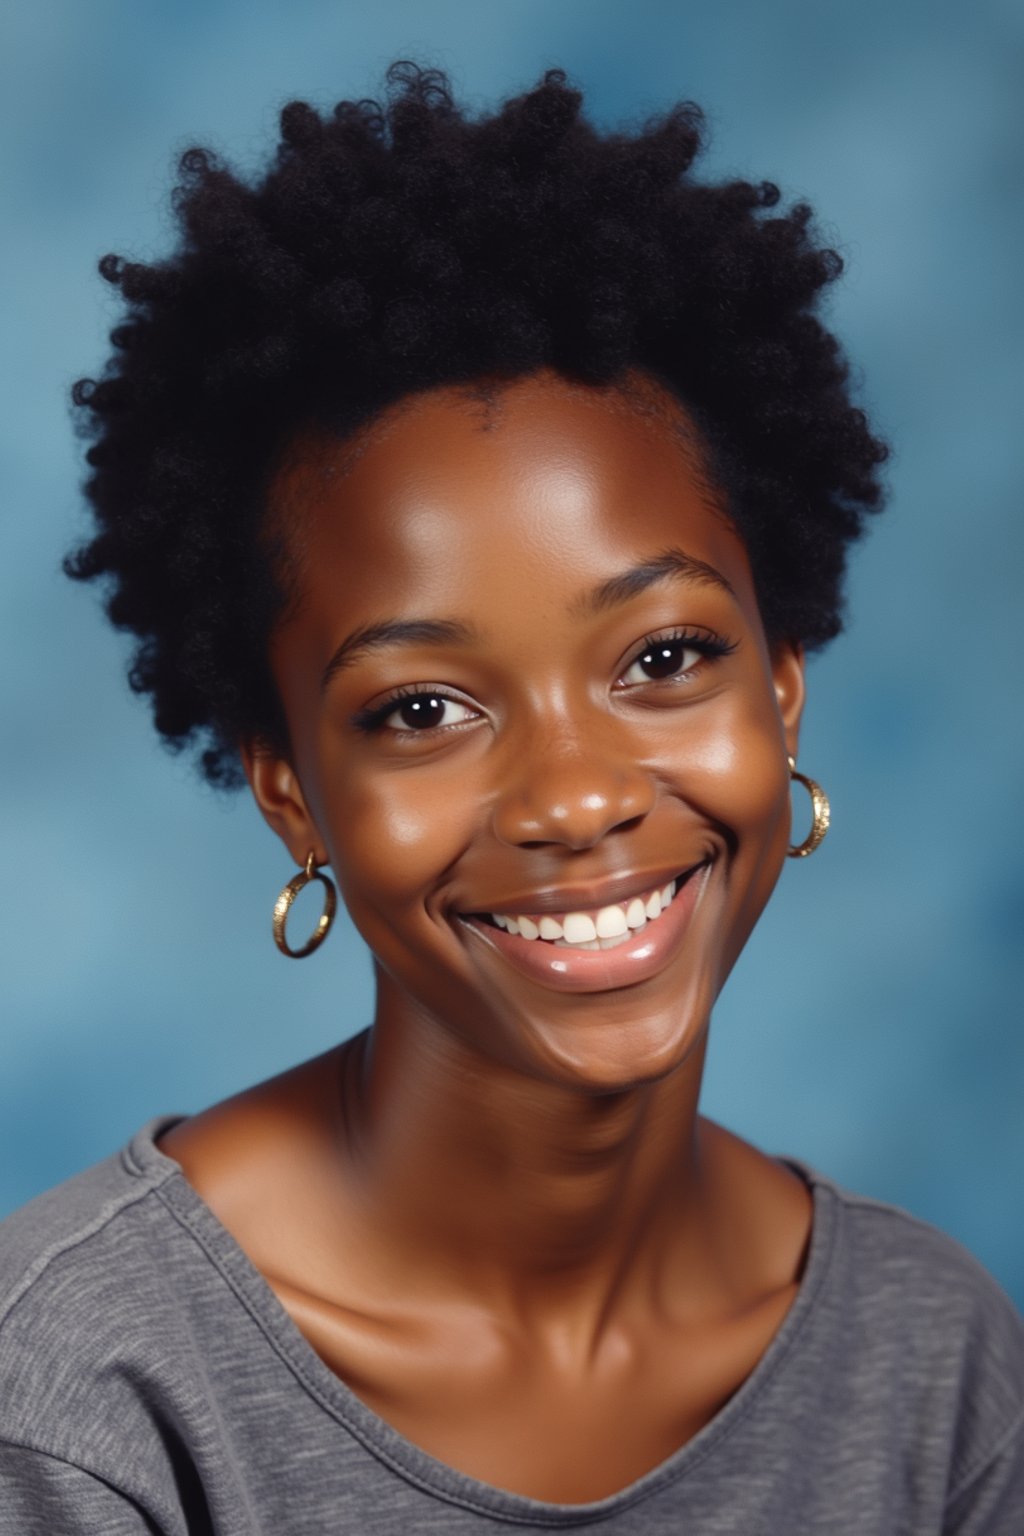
(566, 789)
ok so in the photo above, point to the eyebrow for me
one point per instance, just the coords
(670, 564)
(375, 637)
(674, 564)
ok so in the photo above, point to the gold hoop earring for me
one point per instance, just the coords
(821, 811)
(283, 903)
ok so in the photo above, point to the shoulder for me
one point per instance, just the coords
(927, 1333)
(902, 1266)
(91, 1273)
(63, 1219)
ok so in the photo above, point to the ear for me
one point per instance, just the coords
(276, 789)
(787, 658)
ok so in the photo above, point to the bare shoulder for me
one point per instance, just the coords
(259, 1158)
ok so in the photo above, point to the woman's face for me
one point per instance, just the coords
(527, 678)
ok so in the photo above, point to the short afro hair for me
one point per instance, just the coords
(399, 245)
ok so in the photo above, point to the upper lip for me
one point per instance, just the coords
(577, 898)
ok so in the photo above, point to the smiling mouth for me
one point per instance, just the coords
(592, 928)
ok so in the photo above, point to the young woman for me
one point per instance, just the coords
(475, 488)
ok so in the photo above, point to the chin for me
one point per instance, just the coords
(614, 1055)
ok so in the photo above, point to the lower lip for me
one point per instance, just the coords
(600, 970)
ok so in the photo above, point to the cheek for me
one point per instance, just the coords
(731, 765)
(736, 778)
(392, 835)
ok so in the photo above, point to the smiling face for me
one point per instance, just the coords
(527, 688)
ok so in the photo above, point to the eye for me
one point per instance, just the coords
(663, 657)
(426, 711)
(415, 711)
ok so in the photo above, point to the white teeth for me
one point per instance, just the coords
(578, 928)
(604, 929)
(594, 943)
(611, 923)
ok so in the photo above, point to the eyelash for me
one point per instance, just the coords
(710, 646)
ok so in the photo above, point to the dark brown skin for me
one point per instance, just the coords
(497, 1215)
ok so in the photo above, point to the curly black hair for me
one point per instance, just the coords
(393, 246)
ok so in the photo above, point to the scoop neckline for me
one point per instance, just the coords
(143, 1157)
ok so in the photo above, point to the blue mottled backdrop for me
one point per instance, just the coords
(874, 1026)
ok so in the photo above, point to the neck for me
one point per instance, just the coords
(552, 1199)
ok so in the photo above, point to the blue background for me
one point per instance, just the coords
(874, 1026)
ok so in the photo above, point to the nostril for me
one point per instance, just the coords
(572, 803)
(576, 832)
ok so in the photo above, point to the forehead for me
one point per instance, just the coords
(538, 485)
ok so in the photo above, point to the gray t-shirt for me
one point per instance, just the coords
(150, 1381)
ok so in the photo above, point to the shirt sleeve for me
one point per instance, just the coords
(41, 1495)
(991, 1502)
